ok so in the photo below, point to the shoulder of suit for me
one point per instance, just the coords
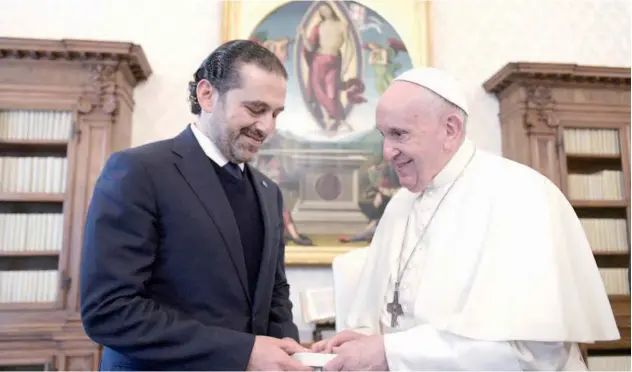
(155, 152)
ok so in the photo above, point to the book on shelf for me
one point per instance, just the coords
(24, 233)
(597, 185)
(609, 363)
(615, 280)
(36, 174)
(606, 235)
(35, 125)
(28, 286)
(592, 141)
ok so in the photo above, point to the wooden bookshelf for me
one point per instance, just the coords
(65, 106)
(572, 124)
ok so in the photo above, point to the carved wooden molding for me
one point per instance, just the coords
(103, 60)
(102, 90)
(539, 108)
(86, 51)
(518, 72)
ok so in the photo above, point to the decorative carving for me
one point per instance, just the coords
(101, 92)
(539, 105)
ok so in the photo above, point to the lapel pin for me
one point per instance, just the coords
(265, 184)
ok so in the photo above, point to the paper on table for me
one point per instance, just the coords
(314, 360)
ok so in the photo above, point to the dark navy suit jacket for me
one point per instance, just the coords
(163, 277)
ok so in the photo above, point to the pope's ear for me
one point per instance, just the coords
(454, 126)
(205, 95)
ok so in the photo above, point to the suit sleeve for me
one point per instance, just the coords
(120, 245)
(425, 348)
(281, 322)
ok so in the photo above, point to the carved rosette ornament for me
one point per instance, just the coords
(101, 93)
(539, 109)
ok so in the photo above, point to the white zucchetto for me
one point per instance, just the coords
(439, 82)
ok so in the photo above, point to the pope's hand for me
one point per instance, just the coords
(362, 354)
(273, 354)
(327, 346)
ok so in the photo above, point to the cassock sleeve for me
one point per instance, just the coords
(426, 348)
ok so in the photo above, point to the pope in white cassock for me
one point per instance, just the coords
(478, 263)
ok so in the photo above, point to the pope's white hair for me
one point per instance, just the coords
(442, 105)
(459, 111)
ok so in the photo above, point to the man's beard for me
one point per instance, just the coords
(227, 141)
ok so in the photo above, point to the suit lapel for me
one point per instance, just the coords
(191, 162)
(263, 190)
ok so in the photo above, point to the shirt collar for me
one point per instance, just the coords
(455, 165)
(210, 149)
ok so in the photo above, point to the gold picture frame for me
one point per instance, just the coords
(412, 17)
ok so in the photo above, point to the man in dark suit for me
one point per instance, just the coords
(183, 259)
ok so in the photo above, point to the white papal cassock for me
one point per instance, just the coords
(503, 278)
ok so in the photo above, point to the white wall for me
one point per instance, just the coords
(474, 38)
(471, 39)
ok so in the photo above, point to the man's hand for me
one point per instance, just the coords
(327, 346)
(273, 354)
(362, 354)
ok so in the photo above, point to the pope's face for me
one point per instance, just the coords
(242, 119)
(414, 135)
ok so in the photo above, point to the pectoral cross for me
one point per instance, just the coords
(394, 307)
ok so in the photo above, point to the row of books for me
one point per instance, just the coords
(609, 362)
(591, 141)
(602, 185)
(31, 232)
(615, 280)
(29, 286)
(33, 174)
(35, 125)
(606, 235)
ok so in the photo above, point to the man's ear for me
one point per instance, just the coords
(205, 95)
(454, 126)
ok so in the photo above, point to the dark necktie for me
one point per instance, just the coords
(234, 170)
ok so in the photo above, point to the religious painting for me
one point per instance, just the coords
(326, 153)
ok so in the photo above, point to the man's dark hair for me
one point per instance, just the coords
(221, 68)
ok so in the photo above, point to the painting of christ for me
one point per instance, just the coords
(328, 60)
(340, 56)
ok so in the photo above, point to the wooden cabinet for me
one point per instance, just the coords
(65, 106)
(572, 124)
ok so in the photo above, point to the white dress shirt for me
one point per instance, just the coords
(210, 149)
